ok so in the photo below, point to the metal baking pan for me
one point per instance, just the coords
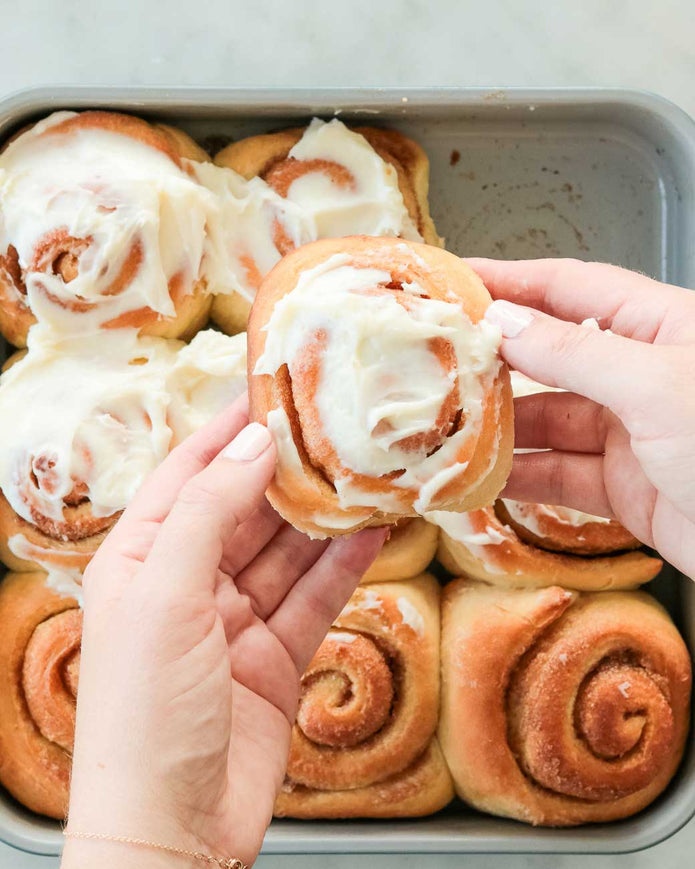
(594, 174)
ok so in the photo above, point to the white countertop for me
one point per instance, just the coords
(628, 43)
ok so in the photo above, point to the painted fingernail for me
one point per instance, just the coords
(512, 319)
(248, 444)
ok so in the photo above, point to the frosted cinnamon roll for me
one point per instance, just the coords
(559, 708)
(89, 423)
(334, 181)
(91, 420)
(518, 544)
(39, 664)
(410, 548)
(102, 225)
(363, 744)
(381, 382)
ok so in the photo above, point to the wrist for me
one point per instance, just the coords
(79, 853)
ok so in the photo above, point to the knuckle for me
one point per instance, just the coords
(569, 341)
(200, 496)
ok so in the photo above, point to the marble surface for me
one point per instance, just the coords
(629, 43)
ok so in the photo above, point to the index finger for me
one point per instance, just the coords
(628, 303)
(160, 490)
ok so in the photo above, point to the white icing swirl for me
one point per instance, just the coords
(100, 412)
(381, 383)
(371, 205)
(125, 200)
(243, 237)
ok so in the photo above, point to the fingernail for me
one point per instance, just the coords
(248, 444)
(512, 319)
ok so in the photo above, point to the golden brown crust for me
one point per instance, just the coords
(43, 548)
(192, 308)
(268, 153)
(509, 561)
(302, 497)
(362, 745)
(421, 789)
(408, 551)
(39, 659)
(559, 708)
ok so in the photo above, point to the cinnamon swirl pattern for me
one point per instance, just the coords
(39, 664)
(105, 412)
(561, 708)
(381, 382)
(363, 744)
(323, 181)
(103, 226)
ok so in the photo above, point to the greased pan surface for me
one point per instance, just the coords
(594, 174)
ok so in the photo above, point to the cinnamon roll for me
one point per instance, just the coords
(90, 420)
(324, 181)
(363, 744)
(561, 708)
(103, 226)
(39, 664)
(410, 548)
(518, 544)
(381, 382)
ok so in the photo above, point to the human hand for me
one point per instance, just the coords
(622, 441)
(202, 610)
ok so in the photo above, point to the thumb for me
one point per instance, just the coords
(209, 508)
(619, 373)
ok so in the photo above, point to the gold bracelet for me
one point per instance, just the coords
(222, 862)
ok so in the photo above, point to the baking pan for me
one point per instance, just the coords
(593, 174)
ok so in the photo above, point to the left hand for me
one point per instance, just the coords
(202, 610)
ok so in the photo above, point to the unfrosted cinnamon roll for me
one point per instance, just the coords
(374, 369)
(559, 708)
(410, 548)
(39, 664)
(103, 226)
(90, 420)
(322, 181)
(363, 744)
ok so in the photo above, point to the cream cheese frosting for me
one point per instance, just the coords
(103, 412)
(529, 515)
(370, 204)
(207, 376)
(251, 222)
(460, 528)
(380, 381)
(141, 220)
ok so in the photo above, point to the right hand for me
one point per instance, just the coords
(621, 442)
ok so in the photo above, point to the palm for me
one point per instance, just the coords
(643, 489)
(241, 671)
(224, 605)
